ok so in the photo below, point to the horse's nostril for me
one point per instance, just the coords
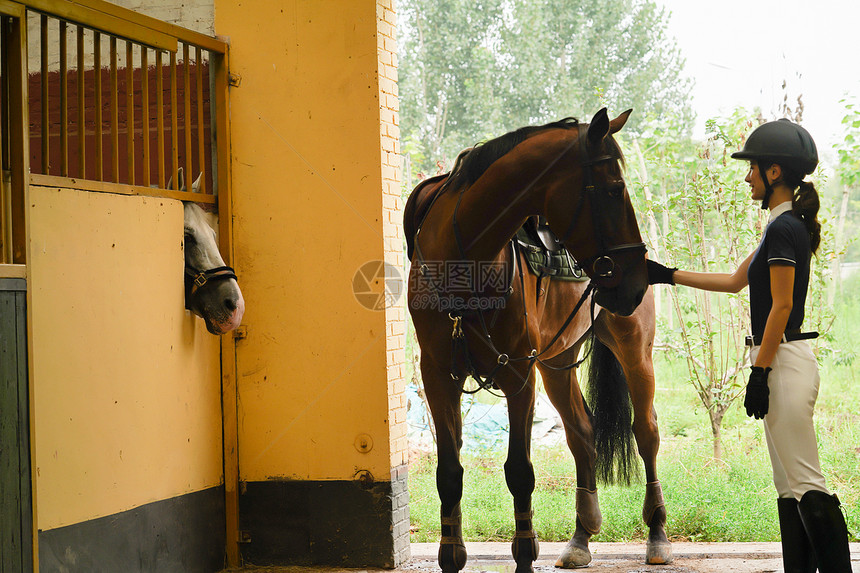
(230, 304)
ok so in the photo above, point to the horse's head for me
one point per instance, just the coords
(603, 234)
(211, 289)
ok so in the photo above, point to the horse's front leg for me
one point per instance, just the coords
(519, 472)
(443, 397)
(631, 339)
(564, 392)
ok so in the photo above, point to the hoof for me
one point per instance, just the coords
(658, 553)
(574, 556)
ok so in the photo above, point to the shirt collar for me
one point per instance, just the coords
(779, 210)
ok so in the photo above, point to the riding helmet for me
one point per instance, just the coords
(778, 141)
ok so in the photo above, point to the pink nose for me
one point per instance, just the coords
(235, 319)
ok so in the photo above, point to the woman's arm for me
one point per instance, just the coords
(781, 290)
(718, 282)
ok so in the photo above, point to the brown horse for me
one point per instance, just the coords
(476, 313)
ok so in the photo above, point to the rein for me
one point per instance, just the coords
(196, 279)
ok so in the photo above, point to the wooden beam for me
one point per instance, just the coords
(108, 18)
(38, 180)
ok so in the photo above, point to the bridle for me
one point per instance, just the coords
(195, 280)
(602, 265)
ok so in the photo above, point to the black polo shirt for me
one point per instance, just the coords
(785, 242)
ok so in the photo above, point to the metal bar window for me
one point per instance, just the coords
(118, 125)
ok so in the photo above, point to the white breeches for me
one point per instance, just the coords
(788, 425)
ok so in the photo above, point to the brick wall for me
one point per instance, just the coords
(393, 231)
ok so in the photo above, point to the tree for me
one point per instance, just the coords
(707, 224)
(848, 174)
(472, 70)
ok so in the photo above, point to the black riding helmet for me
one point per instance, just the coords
(783, 142)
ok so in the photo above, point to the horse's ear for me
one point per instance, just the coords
(599, 127)
(195, 187)
(616, 124)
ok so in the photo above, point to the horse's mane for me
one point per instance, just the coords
(470, 166)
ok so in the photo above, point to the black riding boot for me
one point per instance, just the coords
(826, 528)
(797, 554)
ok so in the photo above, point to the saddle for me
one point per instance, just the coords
(545, 255)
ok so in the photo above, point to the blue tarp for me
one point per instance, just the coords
(485, 426)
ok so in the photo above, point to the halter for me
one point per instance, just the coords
(196, 279)
(602, 265)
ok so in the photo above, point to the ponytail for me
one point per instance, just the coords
(805, 204)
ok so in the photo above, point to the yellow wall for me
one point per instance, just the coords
(314, 154)
(127, 383)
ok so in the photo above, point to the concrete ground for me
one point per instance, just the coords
(608, 558)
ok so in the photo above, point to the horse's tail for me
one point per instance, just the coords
(612, 417)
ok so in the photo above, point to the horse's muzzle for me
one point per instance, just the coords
(621, 301)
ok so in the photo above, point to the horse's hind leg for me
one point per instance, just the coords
(443, 396)
(565, 394)
(519, 472)
(631, 340)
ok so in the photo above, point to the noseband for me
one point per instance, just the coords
(602, 265)
(195, 280)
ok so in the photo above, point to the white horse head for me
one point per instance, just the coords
(211, 289)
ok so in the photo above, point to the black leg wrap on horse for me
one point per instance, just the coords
(525, 544)
(825, 525)
(452, 549)
(797, 554)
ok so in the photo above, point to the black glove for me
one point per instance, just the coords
(757, 393)
(658, 274)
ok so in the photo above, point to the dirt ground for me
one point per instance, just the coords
(608, 558)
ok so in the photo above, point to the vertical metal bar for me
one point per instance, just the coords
(97, 70)
(159, 111)
(64, 102)
(82, 131)
(129, 108)
(186, 88)
(174, 124)
(229, 394)
(201, 127)
(144, 104)
(114, 114)
(46, 119)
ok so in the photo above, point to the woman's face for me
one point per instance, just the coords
(756, 184)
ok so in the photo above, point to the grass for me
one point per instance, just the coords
(730, 500)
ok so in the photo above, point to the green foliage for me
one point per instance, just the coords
(848, 178)
(708, 500)
(848, 151)
(700, 217)
(473, 70)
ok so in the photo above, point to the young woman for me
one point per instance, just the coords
(783, 384)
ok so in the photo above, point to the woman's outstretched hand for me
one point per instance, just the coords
(659, 274)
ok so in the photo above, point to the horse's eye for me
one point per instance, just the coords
(616, 190)
(189, 239)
